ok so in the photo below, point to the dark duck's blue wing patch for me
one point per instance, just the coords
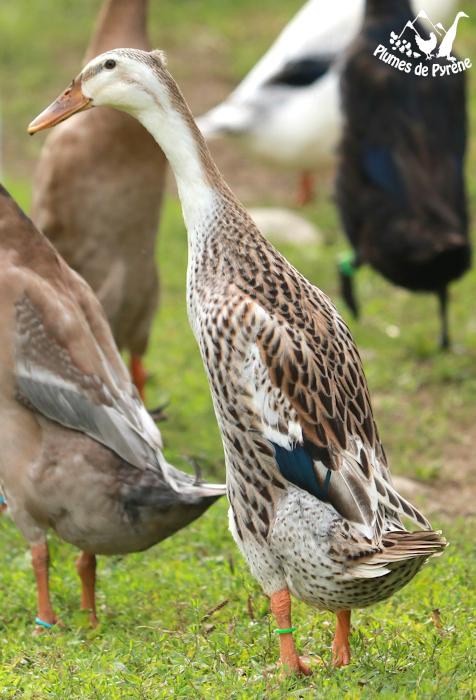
(380, 168)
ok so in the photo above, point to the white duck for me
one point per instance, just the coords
(286, 110)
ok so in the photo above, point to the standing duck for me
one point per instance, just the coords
(400, 183)
(286, 111)
(312, 506)
(98, 193)
(80, 453)
(447, 43)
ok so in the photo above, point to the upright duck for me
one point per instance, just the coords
(286, 111)
(400, 179)
(447, 43)
(98, 193)
(312, 506)
(80, 454)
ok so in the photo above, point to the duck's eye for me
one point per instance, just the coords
(109, 64)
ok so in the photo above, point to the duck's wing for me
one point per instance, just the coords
(309, 389)
(302, 54)
(86, 396)
(66, 364)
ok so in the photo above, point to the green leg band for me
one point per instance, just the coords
(346, 263)
(292, 629)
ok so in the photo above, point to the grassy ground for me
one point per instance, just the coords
(153, 641)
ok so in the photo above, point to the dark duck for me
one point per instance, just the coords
(400, 182)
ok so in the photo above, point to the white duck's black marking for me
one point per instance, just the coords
(301, 73)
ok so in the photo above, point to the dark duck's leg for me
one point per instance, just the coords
(86, 566)
(281, 609)
(305, 190)
(347, 267)
(139, 375)
(445, 337)
(40, 559)
(341, 646)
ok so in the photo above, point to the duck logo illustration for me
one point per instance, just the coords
(419, 39)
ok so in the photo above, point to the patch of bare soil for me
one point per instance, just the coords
(457, 483)
(453, 494)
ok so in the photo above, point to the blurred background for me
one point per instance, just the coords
(424, 400)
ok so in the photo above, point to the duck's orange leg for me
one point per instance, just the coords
(281, 609)
(40, 559)
(139, 375)
(341, 646)
(86, 566)
(305, 190)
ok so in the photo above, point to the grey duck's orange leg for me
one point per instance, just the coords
(86, 566)
(341, 646)
(281, 609)
(139, 375)
(41, 562)
(305, 190)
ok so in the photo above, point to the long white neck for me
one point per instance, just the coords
(191, 163)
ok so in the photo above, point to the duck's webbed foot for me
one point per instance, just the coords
(139, 375)
(347, 266)
(281, 608)
(304, 194)
(341, 646)
(46, 618)
(444, 342)
(86, 567)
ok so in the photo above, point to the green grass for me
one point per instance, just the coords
(152, 642)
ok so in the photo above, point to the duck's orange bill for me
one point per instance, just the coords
(70, 102)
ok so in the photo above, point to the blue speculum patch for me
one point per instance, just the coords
(296, 466)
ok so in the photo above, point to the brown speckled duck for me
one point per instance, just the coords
(312, 506)
(97, 197)
(80, 454)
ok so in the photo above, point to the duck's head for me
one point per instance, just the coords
(128, 79)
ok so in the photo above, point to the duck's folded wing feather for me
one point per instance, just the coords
(316, 387)
(83, 385)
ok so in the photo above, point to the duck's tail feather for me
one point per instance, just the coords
(396, 548)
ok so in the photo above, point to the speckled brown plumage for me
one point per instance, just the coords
(312, 506)
(285, 372)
